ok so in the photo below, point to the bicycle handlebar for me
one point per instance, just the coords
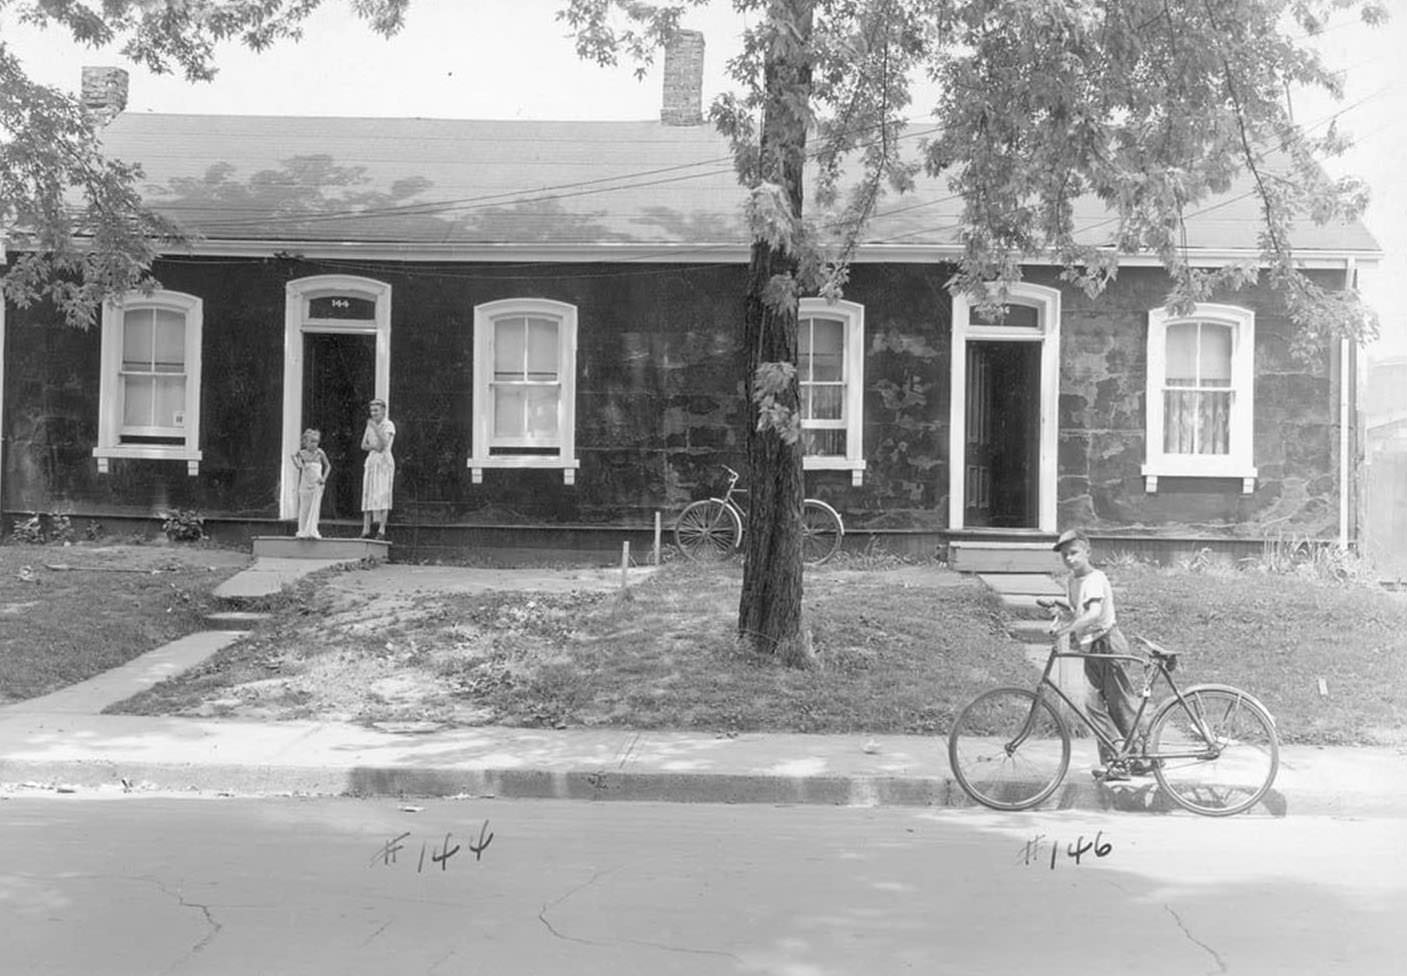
(733, 476)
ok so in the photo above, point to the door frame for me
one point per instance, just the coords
(296, 323)
(1046, 302)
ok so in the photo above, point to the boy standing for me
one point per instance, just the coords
(1089, 620)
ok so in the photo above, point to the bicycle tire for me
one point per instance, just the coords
(1234, 776)
(992, 770)
(708, 530)
(821, 532)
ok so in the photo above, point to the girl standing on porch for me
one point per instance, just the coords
(380, 469)
(313, 469)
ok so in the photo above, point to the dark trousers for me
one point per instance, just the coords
(1112, 696)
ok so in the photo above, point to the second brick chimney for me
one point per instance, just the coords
(104, 93)
(683, 79)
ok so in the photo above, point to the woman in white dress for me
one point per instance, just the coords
(380, 470)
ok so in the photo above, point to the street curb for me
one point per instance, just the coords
(629, 786)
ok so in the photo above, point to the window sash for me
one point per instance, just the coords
(152, 380)
(823, 381)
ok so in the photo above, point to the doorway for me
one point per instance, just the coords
(1002, 424)
(339, 375)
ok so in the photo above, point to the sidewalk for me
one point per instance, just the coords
(62, 740)
(332, 758)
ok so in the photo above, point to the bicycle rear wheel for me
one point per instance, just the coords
(708, 530)
(821, 531)
(1226, 774)
(1009, 749)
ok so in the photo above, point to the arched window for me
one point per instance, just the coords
(149, 389)
(831, 371)
(524, 387)
(1201, 395)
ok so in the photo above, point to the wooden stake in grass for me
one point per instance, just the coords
(1323, 688)
(625, 565)
(655, 556)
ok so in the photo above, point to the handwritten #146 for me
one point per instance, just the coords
(1031, 850)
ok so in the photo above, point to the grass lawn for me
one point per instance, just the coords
(70, 612)
(1276, 636)
(899, 650)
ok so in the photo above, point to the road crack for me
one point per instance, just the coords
(1220, 963)
(214, 926)
(542, 917)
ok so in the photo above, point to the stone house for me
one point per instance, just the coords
(551, 311)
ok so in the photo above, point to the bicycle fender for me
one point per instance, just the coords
(817, 501)
(1232, 690)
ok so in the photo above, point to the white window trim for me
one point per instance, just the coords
(480, 457)
(853, 315)
(296, 323)
(1240, 461)
(110, 444)
(1046, 302)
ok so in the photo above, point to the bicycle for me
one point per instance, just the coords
(1212, 748)
(712, 528)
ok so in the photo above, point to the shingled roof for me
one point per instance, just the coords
(445, 183)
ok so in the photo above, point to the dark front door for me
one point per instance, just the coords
(1003, 434)
(339, 378)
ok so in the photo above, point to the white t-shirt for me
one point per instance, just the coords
(1083, 591)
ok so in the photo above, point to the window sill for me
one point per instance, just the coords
(148, 452)
(856, 466)
(567, 466)
(1167, 468)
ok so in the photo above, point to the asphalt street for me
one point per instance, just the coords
(127, 884)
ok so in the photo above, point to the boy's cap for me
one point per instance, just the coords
(1068, 536)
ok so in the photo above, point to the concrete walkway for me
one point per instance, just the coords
(62, 740)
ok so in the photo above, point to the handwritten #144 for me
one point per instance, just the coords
(387, 855)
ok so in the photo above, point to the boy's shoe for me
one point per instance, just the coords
(1112, 773)
(1142, 767)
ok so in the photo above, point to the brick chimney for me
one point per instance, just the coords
(104, 93)
(683, 79)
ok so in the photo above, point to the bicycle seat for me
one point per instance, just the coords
(1158, 650)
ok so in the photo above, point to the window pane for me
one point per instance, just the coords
(1016, 316)
(542, 349)
(1182, 354)
(823, 402)
(821, 349)
(137, 340)
(541, 404)
(508, 347)
(139, 392)
(1196, 422)
(823, 443)
(170, 341)
(1215, 358)
(525, 412)
(508, 411)
(170, 399)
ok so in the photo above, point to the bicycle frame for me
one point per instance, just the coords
(1153, 668)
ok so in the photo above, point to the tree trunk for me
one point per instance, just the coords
(769, 611)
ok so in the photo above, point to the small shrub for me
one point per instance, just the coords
(183, 525)
(42, 528)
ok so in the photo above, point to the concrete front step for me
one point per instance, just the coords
(240, 620)
(342, 550)
(982, 556)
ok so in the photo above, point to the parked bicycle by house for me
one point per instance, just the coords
(1212, 748)
(712, 528)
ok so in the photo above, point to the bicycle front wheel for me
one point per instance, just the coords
(708, 530)
(821, 531)
(1009, 749)
(1225, 771)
